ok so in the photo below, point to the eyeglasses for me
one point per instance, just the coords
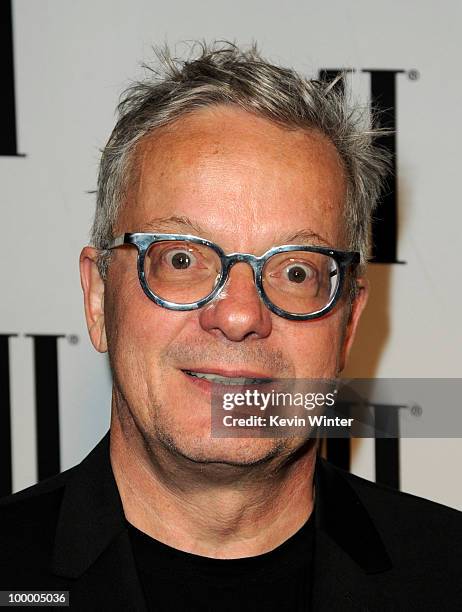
(184, 272)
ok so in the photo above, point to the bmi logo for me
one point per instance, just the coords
(46, 405)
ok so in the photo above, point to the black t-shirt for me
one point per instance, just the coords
(175, 580)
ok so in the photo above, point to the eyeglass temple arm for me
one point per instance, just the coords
(118, 241)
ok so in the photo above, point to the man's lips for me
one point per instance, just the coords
(226, 377)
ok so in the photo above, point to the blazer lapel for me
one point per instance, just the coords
(92, 546)
(349, 553)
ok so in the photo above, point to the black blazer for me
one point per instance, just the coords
(376, 549)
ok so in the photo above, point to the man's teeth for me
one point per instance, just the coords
(227, 380)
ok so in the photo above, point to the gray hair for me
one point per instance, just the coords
(222, 73)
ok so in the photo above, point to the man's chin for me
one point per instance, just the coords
(232, 452)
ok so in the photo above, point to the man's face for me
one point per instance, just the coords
(248, 185)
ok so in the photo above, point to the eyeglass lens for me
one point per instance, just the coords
(300, 282)
(183, 272)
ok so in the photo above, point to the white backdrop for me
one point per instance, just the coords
(72, 59)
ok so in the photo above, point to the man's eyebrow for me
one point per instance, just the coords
(171, 225)
(303, 236)
(175, 223)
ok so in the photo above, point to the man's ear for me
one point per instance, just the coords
(93, 292)
(357, 307)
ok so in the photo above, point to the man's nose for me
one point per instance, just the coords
(238, 312)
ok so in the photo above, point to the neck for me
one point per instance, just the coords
(213, 510)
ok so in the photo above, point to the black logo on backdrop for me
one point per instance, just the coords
(46, 408)
(384, 250)
(8, 140)
(383, 98)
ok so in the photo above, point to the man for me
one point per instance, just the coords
(220, 155)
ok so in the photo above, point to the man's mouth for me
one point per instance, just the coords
(227, 380)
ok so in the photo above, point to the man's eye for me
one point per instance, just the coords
(180, 259)
(298, 273)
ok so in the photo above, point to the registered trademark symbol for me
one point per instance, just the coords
(413, 75)
(73, 339)
(416, 410)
